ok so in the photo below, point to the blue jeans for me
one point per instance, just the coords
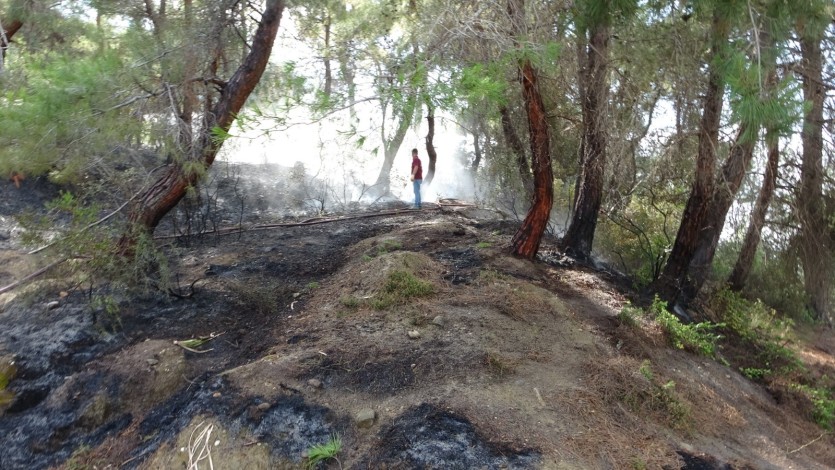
(417, 192)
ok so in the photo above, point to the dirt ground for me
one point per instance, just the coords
(414, 337)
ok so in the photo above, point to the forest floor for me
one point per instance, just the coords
(414, 337)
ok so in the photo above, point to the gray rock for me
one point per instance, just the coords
(414, 334)
(263, 406)
(53, 305)
(365, 418)
(315, 383)
(439, 321)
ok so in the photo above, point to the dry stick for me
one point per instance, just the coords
(807, 444)
(254, 228)
(28, 278)
(105, 218)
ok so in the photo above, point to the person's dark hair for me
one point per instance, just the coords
(414, 151)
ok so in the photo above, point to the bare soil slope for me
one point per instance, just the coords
(414, 337)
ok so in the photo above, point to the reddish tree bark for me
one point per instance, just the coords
(430, 145)
(579, 236)
(158, 199)
(6, 39)
(669, 284)
(526, 241)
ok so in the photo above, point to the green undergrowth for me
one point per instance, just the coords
(759, 333)
(759, 347)
(400, 288)
(699, 338)
(754, 339)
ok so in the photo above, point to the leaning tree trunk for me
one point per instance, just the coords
(6, 34)
(391, 147)
(579, 236)
(745, 261)
(815, 243)
(725, 190)
(158, 199)
(526, 241)
(668, 285)
(430, 145)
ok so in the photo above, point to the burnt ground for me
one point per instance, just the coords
(497, 363)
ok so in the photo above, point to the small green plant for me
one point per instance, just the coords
(385, 246)
(658, 397)
(324, 452)
(349, 301)
(399, 288)
(483, 245)
(312, 285)
(824, 404)
(755, 373)
(629, 315)
(646, 370)
(7, 372)
(696, 337)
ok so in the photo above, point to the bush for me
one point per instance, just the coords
(764, 331)
(695, 337)
(823, 402)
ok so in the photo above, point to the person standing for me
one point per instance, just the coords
(417, 176)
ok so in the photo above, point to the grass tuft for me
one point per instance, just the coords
(401, 287)
(324, 452)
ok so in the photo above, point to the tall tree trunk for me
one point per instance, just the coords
(518, 148)
(579, 236)
(745, 261)
(162, 196)
(430, 145)
(390, 149)
(526, 241)
(815, 242)
(477, 151)
(668, 285)
(327, 58)
(725, 190)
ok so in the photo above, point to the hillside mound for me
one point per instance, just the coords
(415, 339)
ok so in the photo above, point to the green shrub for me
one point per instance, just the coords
(762, 328)
(695, 337)
(823, 402)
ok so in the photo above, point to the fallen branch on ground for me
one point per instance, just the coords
(32, 276)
